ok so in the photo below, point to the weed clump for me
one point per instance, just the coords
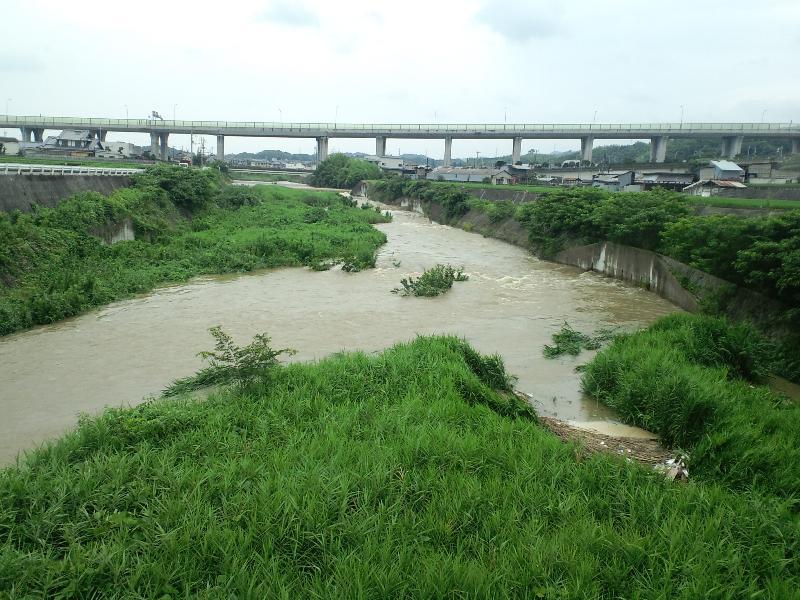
(569, 341)
(230, 364)
(433, 282)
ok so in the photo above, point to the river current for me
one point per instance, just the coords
(130, 350)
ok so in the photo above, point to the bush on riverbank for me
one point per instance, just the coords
(403, 474)
(688, 378)
(53, 264)
(433, 282)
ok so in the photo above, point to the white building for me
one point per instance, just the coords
(712, 187)
(461, 174)
(117, 150)
(722, 170)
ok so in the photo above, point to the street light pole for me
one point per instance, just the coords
(681, 115)
(174, 106)
(7, 101)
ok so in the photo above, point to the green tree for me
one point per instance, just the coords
(637, 219)
(340, 171)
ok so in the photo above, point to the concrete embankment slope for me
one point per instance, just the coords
(19, 192)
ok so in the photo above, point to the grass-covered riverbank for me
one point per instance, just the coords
(54, 264)
(759, 254)
(397, 475)
(694, 380)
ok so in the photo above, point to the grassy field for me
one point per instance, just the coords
(744, 202)
(74, 162)
(694, 380)
(401, 475)
(53, 264)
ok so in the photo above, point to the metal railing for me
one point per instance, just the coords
(20, 169)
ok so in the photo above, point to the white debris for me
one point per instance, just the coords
(674, 469)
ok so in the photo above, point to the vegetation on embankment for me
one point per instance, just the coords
(398, 475)
(693, 380)
(343, 172)
(53, 264)
(760, 254)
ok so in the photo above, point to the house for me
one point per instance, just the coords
(613, 181)
(502, 177)
(72, 142)
(712, 187)
(462, 174)
(118, 150)
(721, 170)
(664, 179)
(758, 170)
(9, 146)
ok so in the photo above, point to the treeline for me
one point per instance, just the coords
(54, 262)
(340, 171)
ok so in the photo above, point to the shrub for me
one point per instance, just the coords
(433, 282)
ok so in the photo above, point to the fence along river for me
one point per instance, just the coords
(129, 350)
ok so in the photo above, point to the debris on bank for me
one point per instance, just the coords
(643, 450)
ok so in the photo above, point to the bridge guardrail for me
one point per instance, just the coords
(19, 169)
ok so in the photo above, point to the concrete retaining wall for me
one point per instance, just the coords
(19, 192)
(642, 267)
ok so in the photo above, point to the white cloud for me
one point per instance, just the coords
(289, 13)
(20, 63)
(521, 21)
(458, 61)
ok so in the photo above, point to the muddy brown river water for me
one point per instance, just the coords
(129, 350)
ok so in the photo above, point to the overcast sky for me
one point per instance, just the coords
(470, 61)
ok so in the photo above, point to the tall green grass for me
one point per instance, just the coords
(398, 475)
(53, 264)
(691, 379)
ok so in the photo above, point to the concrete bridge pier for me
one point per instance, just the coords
(516, 151)
(586, 148)
(448, 152)
(322, 148)
(731, 146)
(380, 146)
(795, 145)
(154, 144)
(99, 134)
(658, 149)
(221, 148)
(164, 145)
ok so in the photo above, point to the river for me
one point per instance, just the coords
(129, 350)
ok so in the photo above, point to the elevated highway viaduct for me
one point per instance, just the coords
(730, 135)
